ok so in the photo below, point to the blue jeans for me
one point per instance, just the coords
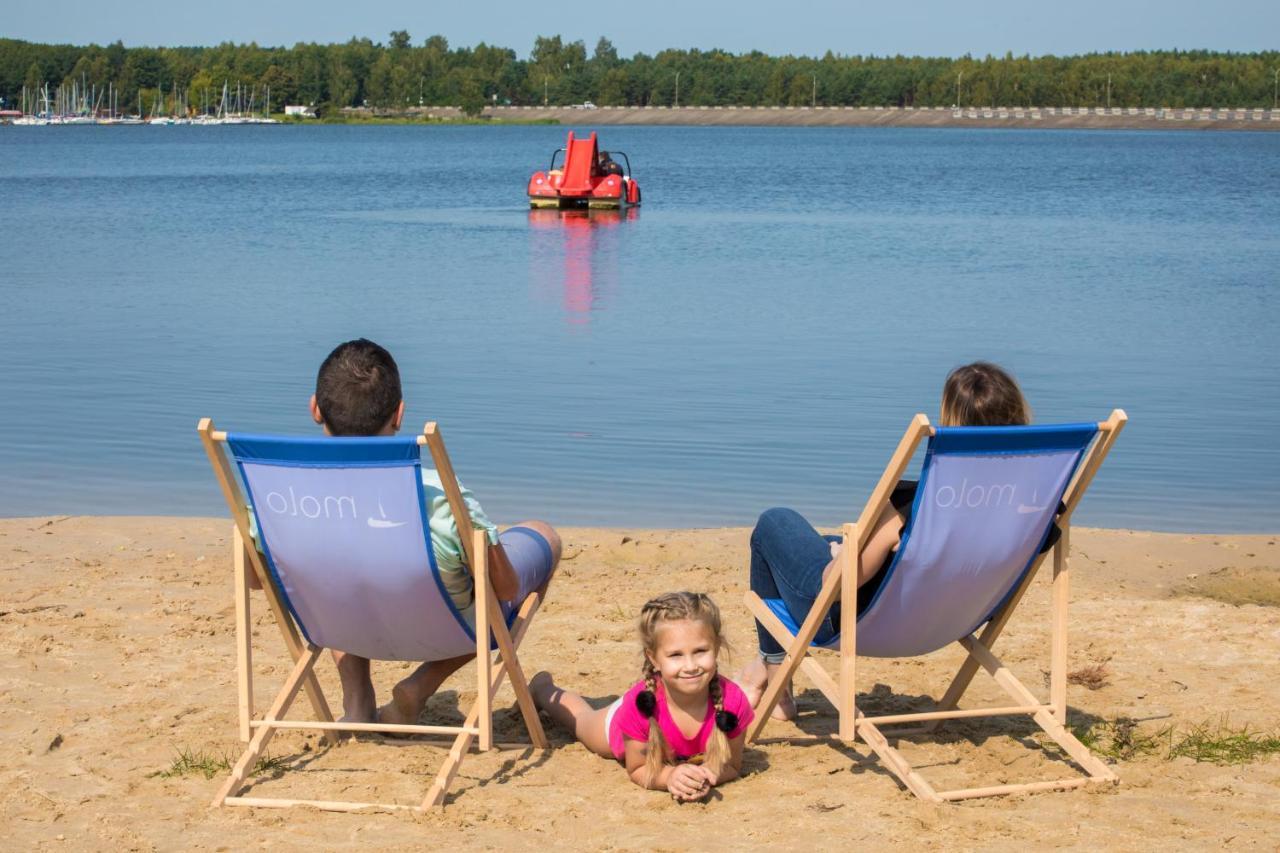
(787, 559)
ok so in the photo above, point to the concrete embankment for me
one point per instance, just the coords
(1119, 118)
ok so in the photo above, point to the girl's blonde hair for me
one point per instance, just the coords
(677, 607)
(983, 394)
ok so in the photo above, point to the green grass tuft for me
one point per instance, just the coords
(1222, 744)
(1121, 739)
(189, 762)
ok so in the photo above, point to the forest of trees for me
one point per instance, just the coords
(398, 73)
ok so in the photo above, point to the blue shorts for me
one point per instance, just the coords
(530, 555)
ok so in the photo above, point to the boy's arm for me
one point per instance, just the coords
(506, 584)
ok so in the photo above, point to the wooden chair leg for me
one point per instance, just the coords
(244, 767)
(511, 665)
(896, 762)
(244, 634)
(850, 562)
(1047, 721)
(440, 788)
(797, 647)
(1058, 643)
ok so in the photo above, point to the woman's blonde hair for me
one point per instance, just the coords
(677, 607)
(983, 394)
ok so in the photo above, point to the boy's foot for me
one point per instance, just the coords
(402, 710)
(754, 679)
(359, 704)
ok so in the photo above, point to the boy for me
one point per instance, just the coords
(358, 394)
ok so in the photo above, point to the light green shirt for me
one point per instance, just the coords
(451, 559)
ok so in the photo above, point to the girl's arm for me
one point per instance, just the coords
(733, 768)
(683, 781)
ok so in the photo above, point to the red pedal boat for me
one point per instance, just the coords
(585, 179)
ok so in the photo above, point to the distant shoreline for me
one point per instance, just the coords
(1117, 118)
(1044, 118)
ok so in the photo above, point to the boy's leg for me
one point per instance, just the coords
(410, 696)
(573, 713)
(533, 549)
(358, 702)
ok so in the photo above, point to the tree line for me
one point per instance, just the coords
(399, 74)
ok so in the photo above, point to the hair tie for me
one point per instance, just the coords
(646, 702)
(726, 721)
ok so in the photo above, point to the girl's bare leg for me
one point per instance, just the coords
(572, 712)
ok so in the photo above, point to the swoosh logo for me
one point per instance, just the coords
(383, 523)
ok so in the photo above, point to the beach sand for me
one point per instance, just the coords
(118, 633)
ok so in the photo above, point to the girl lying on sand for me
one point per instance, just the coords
(681, 727)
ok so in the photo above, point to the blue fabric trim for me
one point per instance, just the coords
(326, 452)
(1035, 556)
(543, 545)
(431, 551)
(1012, 440)
(266, 552)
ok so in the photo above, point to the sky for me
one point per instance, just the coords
(799, 27)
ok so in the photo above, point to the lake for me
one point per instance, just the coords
(759, 333)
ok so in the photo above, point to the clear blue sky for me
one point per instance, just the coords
(809, 27)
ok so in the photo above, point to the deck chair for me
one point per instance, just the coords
(347, 564)
(984, 508)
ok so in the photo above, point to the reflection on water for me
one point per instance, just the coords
(585, 242)
(725, 352)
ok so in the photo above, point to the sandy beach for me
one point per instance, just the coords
(120, 658)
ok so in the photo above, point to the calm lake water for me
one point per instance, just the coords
(759, 334)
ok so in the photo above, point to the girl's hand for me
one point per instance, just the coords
(835, 549)
(688, 782)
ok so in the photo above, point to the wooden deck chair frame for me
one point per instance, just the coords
(478, 725)
(1050, 716)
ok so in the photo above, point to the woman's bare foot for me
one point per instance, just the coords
(755, 678)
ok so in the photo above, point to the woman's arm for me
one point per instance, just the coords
(884, 538)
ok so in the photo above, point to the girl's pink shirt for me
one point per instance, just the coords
(628, 722)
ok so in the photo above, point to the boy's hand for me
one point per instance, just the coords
(688, 782)
(835, 549)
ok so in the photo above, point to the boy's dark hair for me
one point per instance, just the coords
(358, 388)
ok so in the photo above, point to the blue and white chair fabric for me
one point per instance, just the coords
(343, 526)
(983, 510)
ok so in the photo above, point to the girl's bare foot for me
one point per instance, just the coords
(754, 679)
(541, 687)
